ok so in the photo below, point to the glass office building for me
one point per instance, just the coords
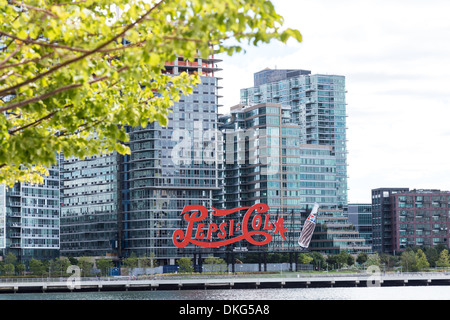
(29, 219)
(89, 203)
(318, 181)
(317, 104)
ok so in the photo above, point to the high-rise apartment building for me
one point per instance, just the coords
(29, 219)
(382, 218)
(317, 104)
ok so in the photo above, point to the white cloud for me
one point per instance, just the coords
(396, 59)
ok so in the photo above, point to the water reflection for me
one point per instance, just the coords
(380, 293)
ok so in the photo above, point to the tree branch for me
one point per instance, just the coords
(92, 124)
(43, 43)
(50, 115)
(62, 133)
(11, 54)
(68, 62)
(56, 91)
(68, 3)
(11, 65)
(61, 46)
(51, 14)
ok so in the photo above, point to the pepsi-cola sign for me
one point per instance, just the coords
(203, 233)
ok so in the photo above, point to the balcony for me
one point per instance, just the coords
(15, 225)
(13, 204)
(15, 235)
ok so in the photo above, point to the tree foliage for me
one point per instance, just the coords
(341, 259)
(185, 265)
(421, 260)
(74, 74)
(59, 266)
(318, 260)
(215, 264)
(132, 261)
(362, 258)
(373, 260)
(304, 258)
(409, 261)
(20, 268)
(37, 267)
(8, 269)
(443, 260)
(104, 265)
(10, 258)
(86, 264)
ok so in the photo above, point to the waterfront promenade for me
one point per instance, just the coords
(232, 281)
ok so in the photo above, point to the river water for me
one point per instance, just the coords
(362, 293)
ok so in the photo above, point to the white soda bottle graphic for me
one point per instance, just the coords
(308, 228)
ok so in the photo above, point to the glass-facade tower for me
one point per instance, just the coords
(29, 218)
(265, 162)
(89, 196)
(171, 167)
(317, 104)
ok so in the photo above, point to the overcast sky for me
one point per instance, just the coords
(395, 56)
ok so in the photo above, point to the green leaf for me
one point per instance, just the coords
(65, 96)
